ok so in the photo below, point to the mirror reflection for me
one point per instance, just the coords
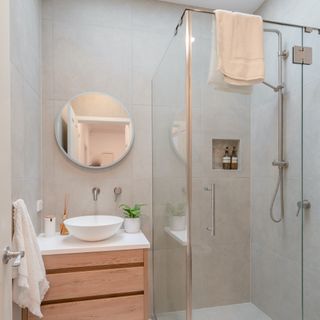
(94, 130)
(179, 135)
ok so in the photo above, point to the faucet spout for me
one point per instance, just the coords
(95, 193)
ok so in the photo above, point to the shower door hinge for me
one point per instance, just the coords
(302, 55)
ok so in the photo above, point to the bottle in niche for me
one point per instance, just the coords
(234, 159)
(226, 160)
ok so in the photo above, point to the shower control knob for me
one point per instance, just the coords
(305, 204)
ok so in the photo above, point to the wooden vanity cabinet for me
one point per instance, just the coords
(109, 285)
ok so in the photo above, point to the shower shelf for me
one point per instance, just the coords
(179, 236)
(218, 149)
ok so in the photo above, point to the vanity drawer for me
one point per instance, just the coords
(121, 308)
(92, 259)
(94, 283)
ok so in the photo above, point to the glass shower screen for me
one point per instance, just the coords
(169, 182)
(243, 265)
(250, 268)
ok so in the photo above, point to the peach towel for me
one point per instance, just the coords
(240, 51)
(215, 77)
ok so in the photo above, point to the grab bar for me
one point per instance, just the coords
(213, 209)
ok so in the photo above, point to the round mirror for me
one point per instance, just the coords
(94, 130)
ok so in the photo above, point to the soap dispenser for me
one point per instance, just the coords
(226, 160)
(234, 159)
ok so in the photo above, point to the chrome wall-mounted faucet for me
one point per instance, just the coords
(95, 193)
(116, 192)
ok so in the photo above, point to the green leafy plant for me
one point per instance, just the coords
(132, 212)
(176, 210)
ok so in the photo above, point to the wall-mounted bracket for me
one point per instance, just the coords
(311, 29)
(302, 55)
(308, 29)
(280, 164)
(284, 54)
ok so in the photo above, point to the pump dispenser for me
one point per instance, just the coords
(226, 160)
(234, 159)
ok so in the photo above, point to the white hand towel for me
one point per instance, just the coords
(240, 47)
(29, 279)
(215, 77)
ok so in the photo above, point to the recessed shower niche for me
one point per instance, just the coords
(219, 147)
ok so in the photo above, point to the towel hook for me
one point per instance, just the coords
(16, 255)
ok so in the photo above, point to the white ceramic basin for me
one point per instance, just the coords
(93, 228)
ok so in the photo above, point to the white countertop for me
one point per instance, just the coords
(180, 236)
(68, 244)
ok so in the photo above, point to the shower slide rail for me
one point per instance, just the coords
(281, 163)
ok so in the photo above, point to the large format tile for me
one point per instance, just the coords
(111, 13)
(156, 16)
(276, 284)
(90, 58)
(26, 104)
(17, 123)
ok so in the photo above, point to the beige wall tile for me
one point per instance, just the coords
(26, 103)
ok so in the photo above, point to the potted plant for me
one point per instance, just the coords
(177, 216)
(132, 222)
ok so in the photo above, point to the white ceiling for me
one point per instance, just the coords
(248, 6)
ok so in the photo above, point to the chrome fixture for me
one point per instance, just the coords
(95, 193)
(281, 163)
(311, 29)
(117, 191)
(275, 89)
(305, 204)
(302, 55)
(16, 255)
(307, 29)
(213, 209)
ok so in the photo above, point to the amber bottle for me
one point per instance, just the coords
(234, 159)
(226, 160)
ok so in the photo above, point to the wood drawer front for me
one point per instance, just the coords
(122, 308)
(92, 259)
(94, 283)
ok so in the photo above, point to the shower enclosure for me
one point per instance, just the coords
(225, 244)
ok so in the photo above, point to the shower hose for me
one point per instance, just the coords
(278, 186)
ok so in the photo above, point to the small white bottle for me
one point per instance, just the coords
(49, 226)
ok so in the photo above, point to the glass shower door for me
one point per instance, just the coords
(310, 211)
(169, 183)
(245, 266)
(221, 197)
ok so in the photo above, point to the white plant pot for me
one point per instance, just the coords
(177, 223)
(132, 225)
